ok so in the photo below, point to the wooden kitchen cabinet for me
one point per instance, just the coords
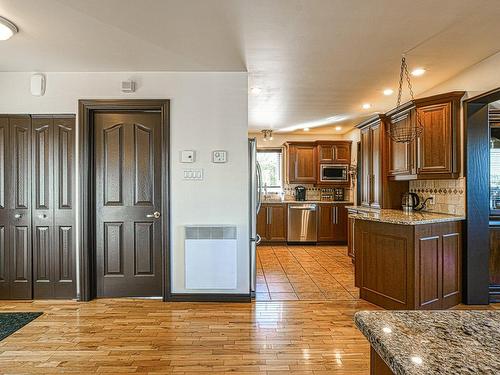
(438, 147)
(332, 223)
(436, 153)
(401, 156)
(377, 191)
(350, 238)
(334, 152)
(409, 267)
(301, 159)
(272, 223)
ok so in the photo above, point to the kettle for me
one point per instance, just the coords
(410, 202)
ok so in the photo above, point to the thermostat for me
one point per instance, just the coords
(219, 156)
(187, 156)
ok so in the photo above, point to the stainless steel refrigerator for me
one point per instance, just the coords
(255, 183)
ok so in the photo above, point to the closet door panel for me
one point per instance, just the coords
(64, 219)
(4, 208)
(18, 201)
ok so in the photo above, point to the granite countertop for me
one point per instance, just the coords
(304, 202)
(434, 342)
(405, 218)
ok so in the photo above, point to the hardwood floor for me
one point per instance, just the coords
(152, 337)
(287, 273)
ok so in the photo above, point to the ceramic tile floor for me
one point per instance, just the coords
(309, 273)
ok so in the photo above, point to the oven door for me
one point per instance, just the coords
(331, 172)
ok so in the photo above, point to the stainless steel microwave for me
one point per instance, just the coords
(334, 172)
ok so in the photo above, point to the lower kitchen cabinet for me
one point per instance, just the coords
(350, 238)
(272, 222)
(409, 267)
(332, 223)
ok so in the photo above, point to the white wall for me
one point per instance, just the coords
(208, 112)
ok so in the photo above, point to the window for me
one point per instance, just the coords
(270, 161)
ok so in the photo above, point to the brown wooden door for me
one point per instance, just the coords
(366, 169)
(303, 164)
(435, 144)
(376, 165)
(54, 263)
(277, 222)
(127, 194)
(15, 207)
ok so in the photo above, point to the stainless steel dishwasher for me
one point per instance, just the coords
(302, 222)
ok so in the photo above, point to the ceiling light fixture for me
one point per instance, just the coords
(7, 29)
(388, 92)
(417, 72)
(405, 131)
(267, 135)
(306, 129)
(338, 128)
(255, 90)
(366, 106)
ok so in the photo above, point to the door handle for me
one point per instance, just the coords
(18, 216)
(258, 239)
(155, 215)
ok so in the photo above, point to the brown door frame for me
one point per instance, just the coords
(87, 208)
(476, 239)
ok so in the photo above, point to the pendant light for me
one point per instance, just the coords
(267, 134)
(405, 131)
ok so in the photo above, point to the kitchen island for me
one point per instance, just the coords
(407, 261)
(432, 342)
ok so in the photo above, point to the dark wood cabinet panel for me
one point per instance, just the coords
(326, 152)
(337, 152)
(277, 222)
(408, 267)
(272, 223)
(332, 223)
(435, 144)
(376, 165)
(377, 364)
(401, 155)
(302, 163)
(350, 238)
(366, 161)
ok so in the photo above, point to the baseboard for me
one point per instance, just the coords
(209, 297)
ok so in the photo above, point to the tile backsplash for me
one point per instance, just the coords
(449, 194)
(312, 192)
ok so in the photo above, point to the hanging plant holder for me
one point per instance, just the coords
(405, 131)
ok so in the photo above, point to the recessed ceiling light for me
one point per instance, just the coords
(255, 90)
(306, 129)
(338, 128)
(366, 106)
(388, 92)
(7, 29)
(417, 72)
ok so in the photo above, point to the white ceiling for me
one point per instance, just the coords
(313, 59)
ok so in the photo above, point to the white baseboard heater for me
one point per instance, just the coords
(211, 256)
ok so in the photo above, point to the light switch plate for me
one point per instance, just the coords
(187, 156)
(193, 174)
(219, 156)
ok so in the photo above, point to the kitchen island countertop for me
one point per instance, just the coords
(405, 218)
(434, 342)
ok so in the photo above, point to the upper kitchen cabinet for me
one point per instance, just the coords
(401, 156)
(336, 152)
(435, 154)
(301, 159)
(438, 147)
(376, 190)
